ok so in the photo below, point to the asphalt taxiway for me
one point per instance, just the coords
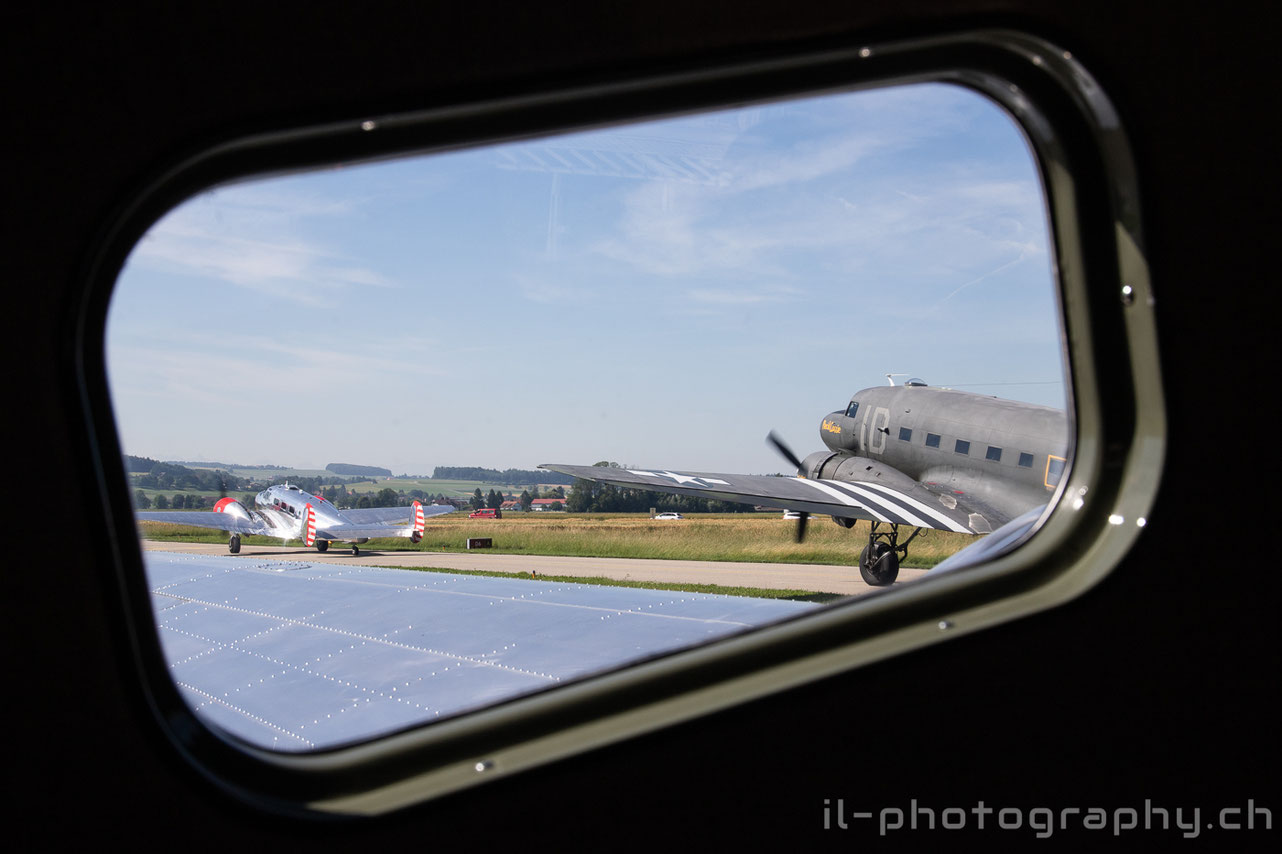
(843, 580)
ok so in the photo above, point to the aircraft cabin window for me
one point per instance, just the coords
(623, 289)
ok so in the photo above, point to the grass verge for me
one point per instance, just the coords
(748, 537)
(599, 581)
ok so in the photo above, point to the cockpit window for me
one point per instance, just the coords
(852, 410)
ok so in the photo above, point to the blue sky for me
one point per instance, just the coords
(661, 294)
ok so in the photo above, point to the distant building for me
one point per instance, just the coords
(546, 504)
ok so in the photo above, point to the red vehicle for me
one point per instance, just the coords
(486, 513)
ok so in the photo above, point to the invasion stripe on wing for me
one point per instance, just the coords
(907, 505)
(959, 527)
(888, 504)
(924, 507)
(844, 498)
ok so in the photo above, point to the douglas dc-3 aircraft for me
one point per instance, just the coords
(290, 513)
(899, 455)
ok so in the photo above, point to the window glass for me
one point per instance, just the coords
(655, 297)
(994, 454)
(1054, 470)
(1026, 460)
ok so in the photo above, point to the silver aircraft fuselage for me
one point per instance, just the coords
(1007, 453)
(283, 508)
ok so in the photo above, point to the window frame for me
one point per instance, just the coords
(1106, 310)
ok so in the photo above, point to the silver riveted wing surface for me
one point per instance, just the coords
(380, 522)
(208, 519)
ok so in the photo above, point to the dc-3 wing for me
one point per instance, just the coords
(887, 495)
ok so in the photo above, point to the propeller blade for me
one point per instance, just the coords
(773, 438)
(801, 525)
(783, 449)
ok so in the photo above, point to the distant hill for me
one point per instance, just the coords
(196, 464)
(138, 464)
(363, 471)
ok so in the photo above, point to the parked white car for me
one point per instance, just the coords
(669, 516)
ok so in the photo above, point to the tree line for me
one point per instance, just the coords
(513, 477)
(158, 475)
(526, 499)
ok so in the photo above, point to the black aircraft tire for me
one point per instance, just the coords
(233, 544)
(879, 565)
(322, 546)
(356, 550)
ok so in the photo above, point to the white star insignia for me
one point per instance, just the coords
(681, 479)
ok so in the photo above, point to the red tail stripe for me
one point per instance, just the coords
(310, 536)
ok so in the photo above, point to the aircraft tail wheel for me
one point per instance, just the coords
(233, 544)
(879, 564)
(356, 549)
(322, 545)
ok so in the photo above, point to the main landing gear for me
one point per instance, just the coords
(233, 544)
(322, 546)
(356, 549)
(879, 561)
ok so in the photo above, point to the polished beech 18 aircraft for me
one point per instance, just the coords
(290, 513)
(898, 455)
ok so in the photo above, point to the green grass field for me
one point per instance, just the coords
(751, 537)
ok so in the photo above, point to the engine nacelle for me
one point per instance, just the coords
(821, 464)
(233, 508)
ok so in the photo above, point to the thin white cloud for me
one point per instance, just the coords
(256, 238)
